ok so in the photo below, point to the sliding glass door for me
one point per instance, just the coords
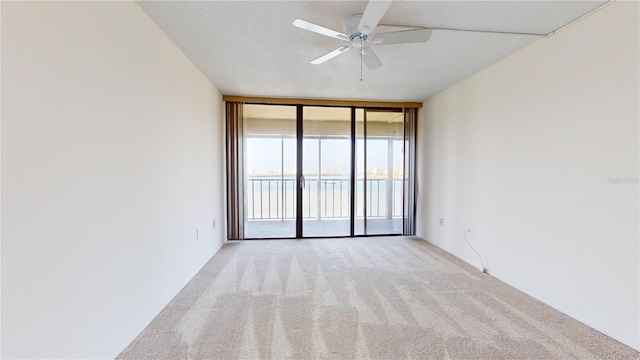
(318, 171)
(270, 160)
(380, 171)
(326, 155)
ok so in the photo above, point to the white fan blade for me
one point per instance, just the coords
(372, 15)
(330, 55)
(370, 59)
(319, 29)
(403, 37)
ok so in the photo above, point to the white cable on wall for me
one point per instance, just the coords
(484, 269)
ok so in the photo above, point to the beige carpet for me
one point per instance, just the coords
(369, 298)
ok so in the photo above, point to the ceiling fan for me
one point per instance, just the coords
(358, 30)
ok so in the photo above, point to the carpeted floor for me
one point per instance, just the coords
(369, 298)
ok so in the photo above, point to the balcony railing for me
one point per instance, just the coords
(326, 198)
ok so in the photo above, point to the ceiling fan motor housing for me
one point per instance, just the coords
(356, 38)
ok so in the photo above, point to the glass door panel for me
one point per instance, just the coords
(326, 169)
(379, 168)
(270, 180)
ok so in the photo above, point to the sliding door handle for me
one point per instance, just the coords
(302, 182)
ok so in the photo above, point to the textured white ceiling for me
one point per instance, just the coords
(251, 48)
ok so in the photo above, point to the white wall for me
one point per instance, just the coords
(538, 156)
(111, 157)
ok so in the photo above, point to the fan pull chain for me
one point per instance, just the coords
(360, 64)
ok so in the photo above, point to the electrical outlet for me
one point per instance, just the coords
(197, 233)
(441, 221)
(214, 224)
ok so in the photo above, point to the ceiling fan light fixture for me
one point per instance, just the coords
(357, 40)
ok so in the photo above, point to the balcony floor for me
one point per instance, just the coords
(320, 228)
